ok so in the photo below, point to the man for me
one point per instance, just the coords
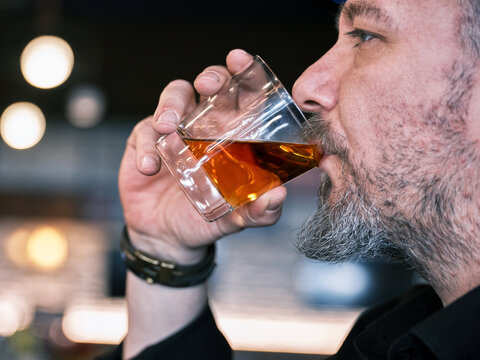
(396, 102)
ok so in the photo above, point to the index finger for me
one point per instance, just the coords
(212, 79)
(176, 100)
(238, 60)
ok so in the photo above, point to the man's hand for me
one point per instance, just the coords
(160, 218)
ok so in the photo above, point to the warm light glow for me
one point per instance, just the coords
(47, 248)
(47, 61)
(98, 324)
(15, 246)
(22, 125)
(105, 322)
(10, 319)
(15, 314)
(86, 106)
(285, 335)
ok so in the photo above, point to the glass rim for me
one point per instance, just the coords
(281, 88)
(296, 112)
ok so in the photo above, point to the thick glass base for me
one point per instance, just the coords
(195, 183)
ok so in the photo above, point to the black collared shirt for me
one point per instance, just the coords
(412, 327)
(416, 326)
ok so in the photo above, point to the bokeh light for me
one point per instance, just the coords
(10, 319)
(47, 248)
(22, 125)
(331, 283)
(47, 61)
(15, 314)
(85, 106)
(96, 323)
(15, 246)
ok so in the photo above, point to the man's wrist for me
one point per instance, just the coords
(157, 248)
(156, 270)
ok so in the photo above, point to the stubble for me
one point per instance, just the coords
(428, 213)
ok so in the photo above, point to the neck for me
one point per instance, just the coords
(451, 285)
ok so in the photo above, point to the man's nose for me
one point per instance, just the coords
(316, 90)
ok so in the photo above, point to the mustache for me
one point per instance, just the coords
(319, 131)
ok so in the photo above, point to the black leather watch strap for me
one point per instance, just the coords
(157, 271)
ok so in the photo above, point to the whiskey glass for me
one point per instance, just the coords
(243, 141)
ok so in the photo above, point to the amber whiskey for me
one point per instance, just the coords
(243, 170)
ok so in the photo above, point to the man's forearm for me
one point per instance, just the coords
(155, 312)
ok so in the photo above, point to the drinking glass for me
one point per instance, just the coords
(239, 143)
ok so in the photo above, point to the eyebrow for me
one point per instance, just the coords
(360, 9)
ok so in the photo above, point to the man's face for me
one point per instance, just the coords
(390, 102)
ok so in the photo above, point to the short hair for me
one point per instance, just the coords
(470, 26)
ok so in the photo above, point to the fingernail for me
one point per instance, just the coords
(275, 204)
(211, 75)
(168, 117)
(149, 162)
(241, 51)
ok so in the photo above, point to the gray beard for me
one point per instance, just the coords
(432, 223)
(349, 229)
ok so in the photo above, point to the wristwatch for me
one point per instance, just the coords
(158, 271)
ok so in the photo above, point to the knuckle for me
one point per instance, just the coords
(137, 130)
(131, 140)
(173, 104)
(221, 72)
(216, 68)
(248, 218)
(176, 95)
(141, 124)
(178, 84)
(275, 216)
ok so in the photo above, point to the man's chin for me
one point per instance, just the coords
(344, 226)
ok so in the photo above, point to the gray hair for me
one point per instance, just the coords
(470, 26)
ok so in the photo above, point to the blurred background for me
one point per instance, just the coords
(75, 77)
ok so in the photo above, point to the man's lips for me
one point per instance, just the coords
(324, 153)
(323, 158)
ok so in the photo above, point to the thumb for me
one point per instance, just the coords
(264, 211)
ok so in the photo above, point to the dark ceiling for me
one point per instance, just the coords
(132, 49)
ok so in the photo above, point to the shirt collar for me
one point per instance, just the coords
(453, 332)
(420, 322)
(403, 314)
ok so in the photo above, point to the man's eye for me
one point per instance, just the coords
(362, 36)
